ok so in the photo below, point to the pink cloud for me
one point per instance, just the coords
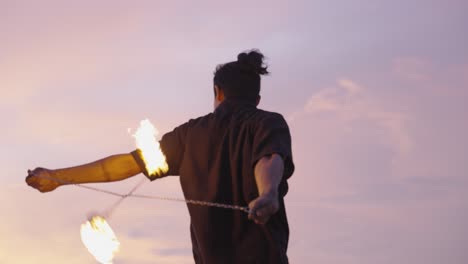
(413, 68)
(351, 103)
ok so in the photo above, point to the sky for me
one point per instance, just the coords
(374, 93)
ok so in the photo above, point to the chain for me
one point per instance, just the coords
(164, 198)
(195, 202)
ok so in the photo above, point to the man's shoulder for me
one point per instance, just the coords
(199, 120)
(269, 116)
(267, 113)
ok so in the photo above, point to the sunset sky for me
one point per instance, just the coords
(375, 94)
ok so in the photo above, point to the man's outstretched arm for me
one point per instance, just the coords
(113, 168)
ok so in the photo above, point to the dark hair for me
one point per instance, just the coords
(241, 78)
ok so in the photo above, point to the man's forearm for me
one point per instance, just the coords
(113, 168)
(268, 174)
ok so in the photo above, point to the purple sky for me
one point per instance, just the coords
(375, 93)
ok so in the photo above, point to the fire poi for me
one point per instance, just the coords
(96, 234)
(145, 137)
(99, 239)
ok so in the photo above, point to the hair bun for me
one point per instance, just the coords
(252, 61)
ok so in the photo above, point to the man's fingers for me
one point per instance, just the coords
(265, 211)
(32, 176)
(30, 179)
(36, 171)
(253, 212)
(252, 209)
(262, 208)
(264, 214)
(33, 181)
(251, 215)
(261, 220)
(255, 217)
(259, 213)
(33, 184)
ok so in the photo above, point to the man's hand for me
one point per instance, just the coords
(262, 208)
(42, 180)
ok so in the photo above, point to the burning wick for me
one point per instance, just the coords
(96, 234)
(145, 137)
(99, 239)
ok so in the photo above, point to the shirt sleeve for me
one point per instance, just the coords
(172, 146)
(272, 136)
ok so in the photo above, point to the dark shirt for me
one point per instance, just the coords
(215, 156)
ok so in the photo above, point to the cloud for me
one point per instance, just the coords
(350, 86)
(357, 151)
(413, 68)
(350, 103)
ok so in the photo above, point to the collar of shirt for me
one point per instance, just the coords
(235, 103)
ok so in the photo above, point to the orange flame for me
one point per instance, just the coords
(155, 161)
(99, 239)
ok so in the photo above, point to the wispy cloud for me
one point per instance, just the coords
(350, 103)
(413, 68)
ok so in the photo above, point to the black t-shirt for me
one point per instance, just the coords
(215, 156)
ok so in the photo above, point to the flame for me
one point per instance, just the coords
(155, 161)
(99, 239)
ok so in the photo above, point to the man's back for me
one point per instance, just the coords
(215, 157)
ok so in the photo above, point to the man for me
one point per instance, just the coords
(237, 155)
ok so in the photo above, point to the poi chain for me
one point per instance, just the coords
(164, 198)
